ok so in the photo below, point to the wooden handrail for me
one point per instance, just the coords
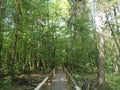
(76, 87)
(43, 82)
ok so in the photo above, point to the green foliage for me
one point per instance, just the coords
(55, 32)
(6, 84)
(112, 81)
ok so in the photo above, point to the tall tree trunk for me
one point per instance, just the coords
(73, 47)
(102, 62)
(101, 76)
(1, 4)
(16, 20)
(115, 14)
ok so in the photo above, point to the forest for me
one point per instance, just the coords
(39, 35)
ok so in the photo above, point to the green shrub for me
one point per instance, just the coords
(5, 84)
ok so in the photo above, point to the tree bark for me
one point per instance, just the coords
(1, 4)
(16, 20)
(101, 63)
(116, 21)
(101, 75)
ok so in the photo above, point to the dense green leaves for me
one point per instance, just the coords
(37, 35)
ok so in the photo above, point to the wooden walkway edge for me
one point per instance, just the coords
(45, 80)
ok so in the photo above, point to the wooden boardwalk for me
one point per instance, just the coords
(58, 81)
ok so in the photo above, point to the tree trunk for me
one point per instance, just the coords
(101, 75)
(1, 4)
(116, 21)
(14, 56)
(73, 39)
(101, 63)
(16, 20)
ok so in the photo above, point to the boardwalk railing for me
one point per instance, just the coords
(74, 85)
(46, 80)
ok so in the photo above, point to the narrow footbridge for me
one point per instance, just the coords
(58, 79)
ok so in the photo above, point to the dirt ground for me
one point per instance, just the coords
(26, 82)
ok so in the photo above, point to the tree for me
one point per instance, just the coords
(17, 16)
(1, 35)
(101, 61)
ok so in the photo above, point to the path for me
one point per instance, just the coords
(59, 82)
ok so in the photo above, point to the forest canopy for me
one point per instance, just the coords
(81, 35)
